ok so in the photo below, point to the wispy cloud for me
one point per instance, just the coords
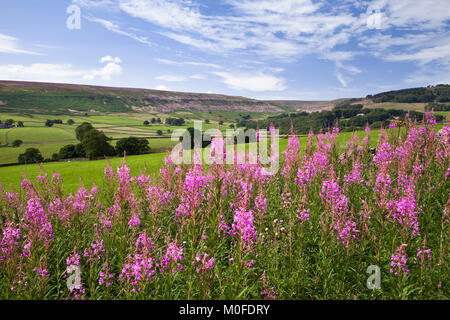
(188, 63)
(252, 82)
(171, 78)
(9, 44)
(116, 29)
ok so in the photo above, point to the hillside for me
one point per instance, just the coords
(308, 106)
(53, 98)
(437, 94)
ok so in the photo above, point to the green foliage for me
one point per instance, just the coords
(17, 143)
(132, 146)
(82, 129)
(350, 118)
(71, 151)
(439, 93)
(95, 144)
(175, 121)
(70, 122)
(20, 124)
(31, 155)
(193, 136)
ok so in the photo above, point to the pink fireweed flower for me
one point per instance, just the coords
(10, 241)
(291, 155)
(261, 205)
(109, 174)
(346, 231)
(422, 255)
(37, 221)
(140, 265)
(244, 228)
(134, 222)
(171, 257)
(404, 212)
(105, 277)
(270, 294)
(194, 192)
(42, 272)
(303, 215)
(143, 181)
(392, 125)
(123, 174)
(203, 263)
(399, 260)
(73, 267)
(356, 175)
(94, 252)
(384, 155)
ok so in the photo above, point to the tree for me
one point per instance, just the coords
(207, 121)
(31, 155)
(146, 123)
(67, 152)
(70, 121)
(79, 151)
(153, 120)
(132, 146)
(10, 122)
(158, 120)
(232, 126)
(49, 123)
(82, 129)
(95, 144)
(221, 122)
(175, 121)
(17, 143)
(159, 132)
(20, 124)
(194, 136)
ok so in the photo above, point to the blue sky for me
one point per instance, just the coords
(264, 49)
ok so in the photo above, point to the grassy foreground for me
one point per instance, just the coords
(335, 222)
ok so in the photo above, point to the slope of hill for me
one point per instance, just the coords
(52, 98)
(438, 93)
(308, 106)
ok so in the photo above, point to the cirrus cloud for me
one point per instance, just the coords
(252, 82)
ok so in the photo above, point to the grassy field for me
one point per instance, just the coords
(49, 140)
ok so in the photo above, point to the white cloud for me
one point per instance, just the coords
(94, 3)
(171, 78)
(112, 68)
(198, 77)
(110, 59)
(252, 82)
(341, 79)
(289, 28)
(10, 44)
(162, 87)
(57, 72)
(188, 63)
(116, 29)
(426, 55)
